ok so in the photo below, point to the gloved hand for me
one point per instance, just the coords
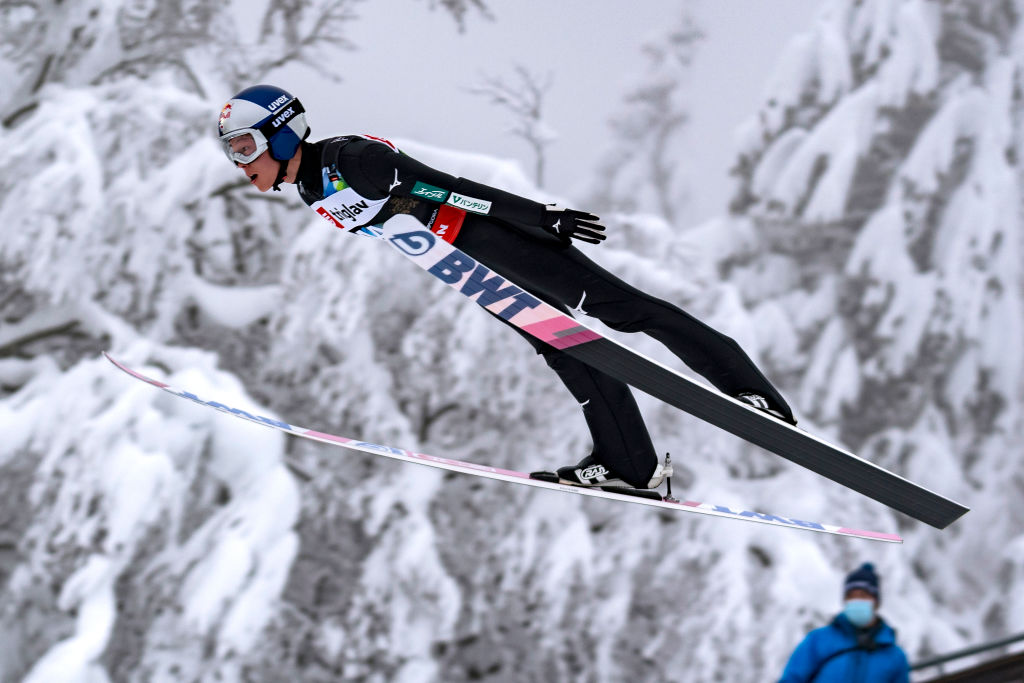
(568, 223)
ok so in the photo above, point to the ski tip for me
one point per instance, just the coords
(137, 375)
(116, 363)
(958, 511)
(113, 361)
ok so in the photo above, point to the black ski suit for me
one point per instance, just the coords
(377, 182)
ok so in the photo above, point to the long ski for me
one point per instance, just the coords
(511, 475)
(510, 302)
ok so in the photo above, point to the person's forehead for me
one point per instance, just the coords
(859, 593)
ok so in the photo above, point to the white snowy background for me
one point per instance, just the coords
(865, 249)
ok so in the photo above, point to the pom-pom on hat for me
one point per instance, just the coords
(864, 578)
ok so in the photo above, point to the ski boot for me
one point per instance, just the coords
(589, 473)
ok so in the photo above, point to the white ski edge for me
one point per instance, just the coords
(508, 475)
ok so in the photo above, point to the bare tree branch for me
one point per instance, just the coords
(459, 8)
(327, 26)
(525, 100)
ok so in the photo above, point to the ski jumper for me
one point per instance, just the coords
(359, 181)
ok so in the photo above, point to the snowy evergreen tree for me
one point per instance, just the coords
(640, 172)
(879, 196)
(141, 540)
(870, 264)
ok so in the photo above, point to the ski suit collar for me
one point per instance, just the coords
(308, 176)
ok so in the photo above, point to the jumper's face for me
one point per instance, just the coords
(261, 171)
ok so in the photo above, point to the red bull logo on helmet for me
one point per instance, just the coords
(225, 114)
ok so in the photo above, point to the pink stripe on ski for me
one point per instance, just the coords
(561, 333)
(328, 437)
(574, 339)
(528, 316)
(136, 375)
(546, 330)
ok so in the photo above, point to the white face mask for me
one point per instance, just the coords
(860, 612)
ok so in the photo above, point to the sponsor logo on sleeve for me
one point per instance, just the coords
(471, 204)
(447, 222)
(434, 194)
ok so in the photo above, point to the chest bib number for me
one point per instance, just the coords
(347, 209)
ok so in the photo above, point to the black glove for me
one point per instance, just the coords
(568, 223)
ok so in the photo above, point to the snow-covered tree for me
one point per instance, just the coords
(141, 540)
(878, 193)
(869, 265)
(640, 171)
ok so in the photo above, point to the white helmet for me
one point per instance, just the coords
(274, 118)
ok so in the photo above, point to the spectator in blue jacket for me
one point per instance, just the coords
(857, 647)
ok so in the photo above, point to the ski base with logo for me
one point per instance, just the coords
(507, 300)
(641, 497)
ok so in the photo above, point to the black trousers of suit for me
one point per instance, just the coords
(565, 278)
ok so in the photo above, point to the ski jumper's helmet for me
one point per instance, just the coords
(262, 117)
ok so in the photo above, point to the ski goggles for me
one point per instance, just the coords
(244, 145)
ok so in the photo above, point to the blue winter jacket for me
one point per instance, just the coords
(841, 653)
